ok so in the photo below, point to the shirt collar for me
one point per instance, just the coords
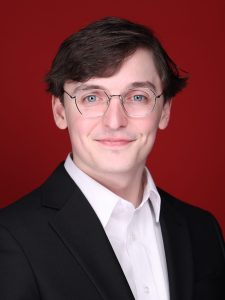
(152, 194)
(102, 200)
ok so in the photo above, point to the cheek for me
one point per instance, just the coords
(80, 130)
(147, 127)
(148, 130)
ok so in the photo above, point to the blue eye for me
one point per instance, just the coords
(91, 98)
(138, 97)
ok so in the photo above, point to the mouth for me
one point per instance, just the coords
(114, 142)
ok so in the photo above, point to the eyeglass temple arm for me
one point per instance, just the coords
(72, 97)
(158, 96)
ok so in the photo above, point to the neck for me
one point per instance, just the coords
(131, 189)
(127, 185)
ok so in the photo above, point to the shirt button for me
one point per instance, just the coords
(146, 289)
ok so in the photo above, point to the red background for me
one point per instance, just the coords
(188, 159)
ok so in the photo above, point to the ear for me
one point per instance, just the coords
(165, 116)
(59, 113)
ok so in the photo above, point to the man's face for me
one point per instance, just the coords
(114, 143)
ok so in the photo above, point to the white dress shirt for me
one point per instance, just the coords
(134, 233)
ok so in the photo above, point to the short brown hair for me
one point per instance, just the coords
(99, 50)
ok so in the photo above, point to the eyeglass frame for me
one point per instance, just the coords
(121, 97)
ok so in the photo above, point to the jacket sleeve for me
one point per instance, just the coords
(17, 281)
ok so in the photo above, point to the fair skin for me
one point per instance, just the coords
(113, 149)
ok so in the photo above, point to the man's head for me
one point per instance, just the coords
(118, 58)
(99, 50)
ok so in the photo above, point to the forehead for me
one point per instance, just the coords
(139, 67)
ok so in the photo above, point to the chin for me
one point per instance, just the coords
(115, 167)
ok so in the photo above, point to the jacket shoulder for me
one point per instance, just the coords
(187, 210)
(25, 210)
(21, 207)
(203, 227)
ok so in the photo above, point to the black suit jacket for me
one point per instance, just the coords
(53, 247)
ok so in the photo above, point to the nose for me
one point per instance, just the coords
(115, 116)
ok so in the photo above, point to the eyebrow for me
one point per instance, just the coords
(136, 84)
(87, 87)
(142, 84)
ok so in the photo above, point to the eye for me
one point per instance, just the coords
(136, 97)
(91, 98)
(139, 98)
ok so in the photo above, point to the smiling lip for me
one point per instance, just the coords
(114, 142)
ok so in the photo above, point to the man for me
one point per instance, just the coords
(98, 228)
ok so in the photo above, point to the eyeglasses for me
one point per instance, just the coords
(94, 103)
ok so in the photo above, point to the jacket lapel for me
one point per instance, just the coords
(177, 246)
(77, 225)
